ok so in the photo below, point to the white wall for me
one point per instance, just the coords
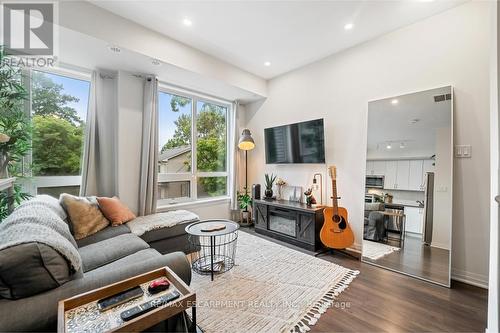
(451, 48)
(493, 292)
(442, 190)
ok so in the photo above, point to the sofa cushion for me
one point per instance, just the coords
(84, 215)
(109, 250)
(115, 210)
(31, 268)
(164, 233)
(105, 233)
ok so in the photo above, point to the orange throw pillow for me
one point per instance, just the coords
(115, 210)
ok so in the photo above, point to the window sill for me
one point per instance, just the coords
(197, 203)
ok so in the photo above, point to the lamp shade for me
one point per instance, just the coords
(246, 141)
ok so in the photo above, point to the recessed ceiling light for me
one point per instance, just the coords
(402, 145)
(156, 62)
(114, 48)
(267, 63)
(389, 146)
(394, 101)
(348, 26)
(187, 22)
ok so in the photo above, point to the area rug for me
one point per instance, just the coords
(376, 250)
(270, 289)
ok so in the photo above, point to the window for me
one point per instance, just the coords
(192, 162)
(58, 110)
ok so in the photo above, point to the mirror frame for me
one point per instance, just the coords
(452, 166)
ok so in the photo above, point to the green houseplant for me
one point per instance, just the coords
(269, 185)
(15, 128)
(245, 202)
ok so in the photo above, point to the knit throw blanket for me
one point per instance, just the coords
(143, 224)
(37, 222)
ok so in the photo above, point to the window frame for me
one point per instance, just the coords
(194, 175)
(51, 181)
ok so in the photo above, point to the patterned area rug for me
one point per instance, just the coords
(270, 289)
(376, 250)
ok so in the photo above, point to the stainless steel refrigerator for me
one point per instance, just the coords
(428, 208)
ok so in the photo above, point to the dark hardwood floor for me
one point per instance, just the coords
(379, 300)
(417, 259)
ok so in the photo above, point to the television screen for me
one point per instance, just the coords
(296, 143)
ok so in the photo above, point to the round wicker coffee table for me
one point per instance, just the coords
(214, 245)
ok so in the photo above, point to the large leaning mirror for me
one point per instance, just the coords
(408, 190)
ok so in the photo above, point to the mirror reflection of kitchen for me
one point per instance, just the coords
(408, 193)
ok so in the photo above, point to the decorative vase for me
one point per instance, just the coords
(4, 166)
(279, 195)
(268, 193)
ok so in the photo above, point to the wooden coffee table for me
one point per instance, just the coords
(80, 313)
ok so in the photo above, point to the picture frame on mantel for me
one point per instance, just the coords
(292, 193)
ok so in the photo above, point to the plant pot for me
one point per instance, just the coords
(245, 218)
(4, 166)
(268, 193)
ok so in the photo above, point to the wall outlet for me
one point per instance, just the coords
(463, 151)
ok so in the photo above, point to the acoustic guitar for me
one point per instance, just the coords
(336, 232)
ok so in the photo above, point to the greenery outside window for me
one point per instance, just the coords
(193, 159)
(59, 103)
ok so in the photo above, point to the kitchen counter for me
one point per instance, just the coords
(407, 203)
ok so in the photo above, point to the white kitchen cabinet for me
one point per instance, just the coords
(403, 175)
(375, 168)
(414, 219)
(369, 168)
(391, 171)
(379, 168)
(415, 175)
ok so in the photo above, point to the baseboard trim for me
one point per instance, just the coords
(473, 279)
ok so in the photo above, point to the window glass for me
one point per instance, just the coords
(212, 187)
(178, 115)
(59, 110)
(174, 134)
(211, 139)
(174, 190)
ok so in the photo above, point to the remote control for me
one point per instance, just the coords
(139, 310)
(120, 298)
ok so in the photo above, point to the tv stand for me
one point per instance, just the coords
(288, 221)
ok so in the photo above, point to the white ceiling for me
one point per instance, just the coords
(393, 123)
(79, 51)
(289, 34)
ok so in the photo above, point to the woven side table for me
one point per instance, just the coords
(213, 243)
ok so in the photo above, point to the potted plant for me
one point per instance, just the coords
(15, 125)
(245, 202)
(15, 128)
(269, 185)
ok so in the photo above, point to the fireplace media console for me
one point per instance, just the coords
(289, 221)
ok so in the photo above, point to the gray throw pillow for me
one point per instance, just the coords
(31, 268)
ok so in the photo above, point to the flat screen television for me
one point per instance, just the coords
(296, 143)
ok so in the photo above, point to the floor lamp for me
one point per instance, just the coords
(246, 143)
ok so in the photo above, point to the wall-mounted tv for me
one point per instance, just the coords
(296, 143)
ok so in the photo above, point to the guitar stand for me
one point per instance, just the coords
(333, 251)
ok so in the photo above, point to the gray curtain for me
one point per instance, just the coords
(234, 157)
(99, 176)
(149, 155)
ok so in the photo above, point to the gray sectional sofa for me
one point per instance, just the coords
(108, 256)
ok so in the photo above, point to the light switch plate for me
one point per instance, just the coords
(463, 151)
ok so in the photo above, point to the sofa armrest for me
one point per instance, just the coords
(39, 312)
